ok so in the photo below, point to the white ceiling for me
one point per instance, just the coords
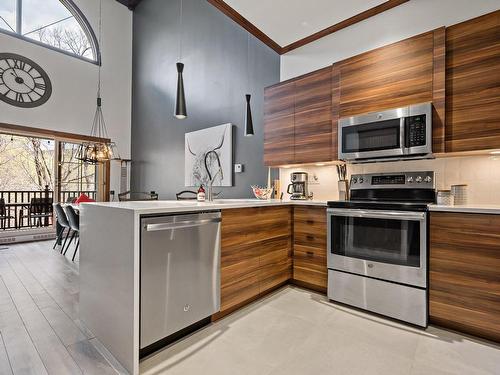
(286, 21)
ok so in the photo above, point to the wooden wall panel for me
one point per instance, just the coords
(473, 84)
(335, 110)
(464, 273)
(388, 77)
(438, 90)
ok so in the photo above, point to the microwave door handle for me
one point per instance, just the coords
(394, 215)
(402, 135)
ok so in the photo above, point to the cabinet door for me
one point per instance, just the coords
(388, 77)
(473, 84)
(309, 248)
(255, 254)
(279, 123)
(313, 117)
(464, 292)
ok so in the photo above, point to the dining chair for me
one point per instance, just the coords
(4, 214)
(74, 223)
(62, 220)
(38, 209)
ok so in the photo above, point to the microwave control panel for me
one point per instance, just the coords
(415, 130)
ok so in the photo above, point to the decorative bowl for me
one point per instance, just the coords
(262, 192)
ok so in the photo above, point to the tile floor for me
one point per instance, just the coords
(291, 331)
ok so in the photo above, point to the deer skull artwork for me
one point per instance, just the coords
(216, 142)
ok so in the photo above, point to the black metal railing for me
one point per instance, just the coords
(23, 207)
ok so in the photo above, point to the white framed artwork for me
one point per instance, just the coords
(217, 143)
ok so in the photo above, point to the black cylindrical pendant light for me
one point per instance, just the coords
(180, 101)
(248, 118)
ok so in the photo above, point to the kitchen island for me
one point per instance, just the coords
(110, 261)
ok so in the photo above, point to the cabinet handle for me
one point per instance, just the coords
(310, 222)
(310, 253)
(310, 238)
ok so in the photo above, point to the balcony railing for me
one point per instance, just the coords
(33, 208)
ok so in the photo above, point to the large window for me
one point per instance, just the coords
(58, 24)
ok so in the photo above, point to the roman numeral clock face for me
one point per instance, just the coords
(23, 83)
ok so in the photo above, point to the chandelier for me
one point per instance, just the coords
(99, 148)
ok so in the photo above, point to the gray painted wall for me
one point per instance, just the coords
(214, 51)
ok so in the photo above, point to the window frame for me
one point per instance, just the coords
(84, 24)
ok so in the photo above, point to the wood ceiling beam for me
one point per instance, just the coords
(343, 24)
(247, 25)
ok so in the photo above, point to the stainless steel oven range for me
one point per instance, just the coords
(378, 245)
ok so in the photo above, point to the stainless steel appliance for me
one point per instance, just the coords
(298, 188)
(400, 133)
(378, 245)
(180, 275)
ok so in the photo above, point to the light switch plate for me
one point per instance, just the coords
(238, 168)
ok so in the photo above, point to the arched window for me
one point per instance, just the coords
(58, 24)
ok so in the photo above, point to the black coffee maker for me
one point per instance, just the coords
(298, 188)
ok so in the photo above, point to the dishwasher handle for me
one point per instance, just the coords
(180, 224)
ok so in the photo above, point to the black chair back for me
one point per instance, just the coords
(41, 206)
(2, 207)
(73, 218)
(61, 216)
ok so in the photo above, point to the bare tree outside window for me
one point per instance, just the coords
(71, 40)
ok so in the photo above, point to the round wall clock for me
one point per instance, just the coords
(23, 83)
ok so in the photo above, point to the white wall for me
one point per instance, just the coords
(404, 21)
(72, 104)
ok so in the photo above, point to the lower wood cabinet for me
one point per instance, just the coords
(256, 253)
(465, 273)
(309, 247)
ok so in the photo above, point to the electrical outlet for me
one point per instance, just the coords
(238, 168)
(314, 179)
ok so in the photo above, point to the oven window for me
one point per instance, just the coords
(379, 240)
(381, 135)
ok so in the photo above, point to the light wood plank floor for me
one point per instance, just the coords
(39, 328)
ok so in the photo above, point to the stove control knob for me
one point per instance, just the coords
(354, 180)
(361, 180)
(418, 179)
(428, 179)
(410, 179)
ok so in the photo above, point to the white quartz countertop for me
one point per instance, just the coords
(468, 208)
(151, 207)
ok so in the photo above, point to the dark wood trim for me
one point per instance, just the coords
(335, 110)
(18, 129)
(246, 24)
(252, 29)
(343, 24)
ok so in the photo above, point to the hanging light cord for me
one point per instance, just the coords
(180, 32)
(248, 61)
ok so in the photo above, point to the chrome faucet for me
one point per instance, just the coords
(210, 196)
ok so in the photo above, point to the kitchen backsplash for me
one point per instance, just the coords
(480, 173)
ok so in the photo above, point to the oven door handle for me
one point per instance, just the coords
(394, 215)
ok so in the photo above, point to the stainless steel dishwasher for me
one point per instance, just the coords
(180, 278)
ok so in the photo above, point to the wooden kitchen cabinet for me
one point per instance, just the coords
(407, 72)
(464, 273)
(473, 84)
(309, 247)
(279, 124)
(256, 253)
(298, 120)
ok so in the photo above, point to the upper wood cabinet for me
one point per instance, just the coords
(279, 124)
(407, 72)
(298, 120)
(473, 84)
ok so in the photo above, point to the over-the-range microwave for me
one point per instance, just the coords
(400, 133)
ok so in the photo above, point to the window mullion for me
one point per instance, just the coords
(19, 17)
